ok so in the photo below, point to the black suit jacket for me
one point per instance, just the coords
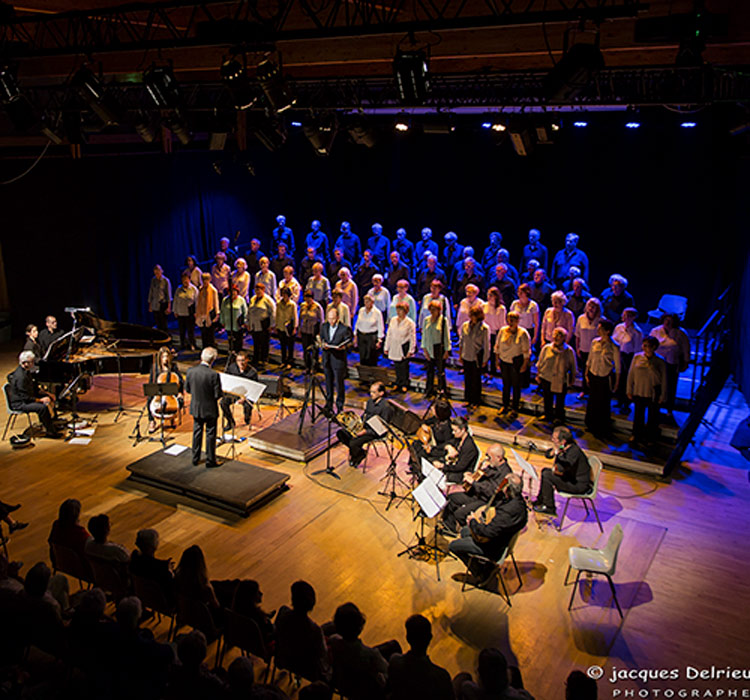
(510, 517)
(467, 459)
(382, 408)
(249, 373)
(574, 465)
(23, 388)
(204, 386)
(335, 358)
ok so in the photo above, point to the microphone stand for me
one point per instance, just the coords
(392, 479)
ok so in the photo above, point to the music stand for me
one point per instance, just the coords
(247, 389)
(160, 390)
(392, 479)
(72, 389)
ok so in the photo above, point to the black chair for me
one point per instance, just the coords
(110, 576)
(195, 613)
(153, 598)
(69, 562)
(12, 412)
(243, 633)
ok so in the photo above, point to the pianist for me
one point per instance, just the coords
(48, 335)
(25, 394)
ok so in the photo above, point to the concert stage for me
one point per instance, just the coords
(235, 486)
(284, 439)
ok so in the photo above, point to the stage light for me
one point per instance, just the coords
(217, 167)
(688, 125)
(234, 76)
(573, 73)
(91, 91)
(144, 127)
(521, 136)
(9, 89)
(739, 129)
(361, 131)
(402, 123)
(19, 109)
(269, 131)
(580, 125)
(486, 125)
(275, 88)
(177, 125)
(498, 126)
(555, 126)
(632, 125)
(296, 124)
(411, 73)
(163, 87)
(321, 132)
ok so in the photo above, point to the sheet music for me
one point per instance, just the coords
(377, 425)
(246, 388)
(433, 474)
(429, 497)
(525, 465)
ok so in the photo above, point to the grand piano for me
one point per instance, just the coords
(96, 346)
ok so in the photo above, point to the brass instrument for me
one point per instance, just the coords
(351, 422)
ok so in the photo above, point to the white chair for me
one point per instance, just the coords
(596, 470)
(596, 561)
(496, 567)
(12, 412)
(669, 304)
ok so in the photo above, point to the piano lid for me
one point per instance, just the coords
(128, 335)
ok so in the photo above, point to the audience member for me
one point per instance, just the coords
(579, 686)
(67, 530)
(246, 602)
(191, 679)
(492, 680)
(99, 545)
(143, 562)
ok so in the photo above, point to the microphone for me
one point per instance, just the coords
(532, 446)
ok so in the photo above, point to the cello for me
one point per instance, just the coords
(166, 406)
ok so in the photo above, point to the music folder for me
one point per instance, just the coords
(246, 388)
(430, 498)
(525, 465)
(376, 423)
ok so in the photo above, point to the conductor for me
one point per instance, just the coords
(335, 338)
(204, 386)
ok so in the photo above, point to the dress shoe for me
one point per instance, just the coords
(545, 510)
(213, 465)
(17, 526)
(10, 509)
(54, 435)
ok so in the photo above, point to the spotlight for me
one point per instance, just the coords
(688, 125)
(521, 138)
(19, 109)
(411, 74)
(555, 126)
(443, 124)
(51, 128)
(486, 125)
(361, 132)
(234, 76)
(219, 129)
(572, 75)
(321, 132)
(144, 127)
(177, 125)
(580, 125)
(163, 87)
(277, 92)
(91, 91)
(9, 89)
(217, 167)
(296, 124)
(632, 125)
(402, 124)
(269, 131)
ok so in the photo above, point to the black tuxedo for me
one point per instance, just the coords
(575, 477)
(334, 362)
(204, 386)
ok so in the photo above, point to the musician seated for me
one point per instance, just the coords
(479, 488)
(164, 371)
(27, 396)
(377, 405)
(487, 534)
(240, 367)
(32, 341)
(48, 335)
(465, 455)
(572, 472)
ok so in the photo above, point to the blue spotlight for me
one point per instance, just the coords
(580, 125)
(688, 125)
(486, 125)
(297, 124)
(632, 125)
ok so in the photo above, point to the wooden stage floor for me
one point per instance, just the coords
(682, 580)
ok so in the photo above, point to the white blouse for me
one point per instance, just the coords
(400, 331)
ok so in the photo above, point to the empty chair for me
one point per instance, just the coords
(590, 497)
(496, 566)
(243, 633)
(596, 561)
(12, 412)
(69, 562)
(669, 304)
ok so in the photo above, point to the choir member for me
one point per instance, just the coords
(400, 344)
(266, 277)
(603, 361)
(306, 266)
(489, 258)
(311, 317)
(342, 310)
(464, 306)
(286, 324)
(337, 263)
(281, 260)
(261, 315)
(573, 274)
(557, 316)
(349, 243)
(318, 240)
(503, 256)
(470, 276)
(369, 332)
(48, 335)
(241, 278)
(426, 244)
(404, 247)
(349, 291)
(453, 251)
(646, 387)
(283, 234)
(513, 349)
(160, 298)
(229, 252)
(289, 282)
(629, 337)
(253, 256)
(578, 297)
(427, 276)
(540, 290)
(494, 317)
(674, 347)
(616, 299)
(534, 250)
(395, 272)
(436, 289)
(556, 371)
(207, 311)
(191, 267)
(402, 296)
(183, 305)
(474, 352)
(435, 344)
(569, 255)
(319, 285)
(586, 330)
(379, 245)
(232, 316)
(531, 267)
(221, 273)
(364, 273)
(380, 294)
(528, 312)
(504, 284)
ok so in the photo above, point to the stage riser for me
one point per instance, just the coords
(284, 439)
